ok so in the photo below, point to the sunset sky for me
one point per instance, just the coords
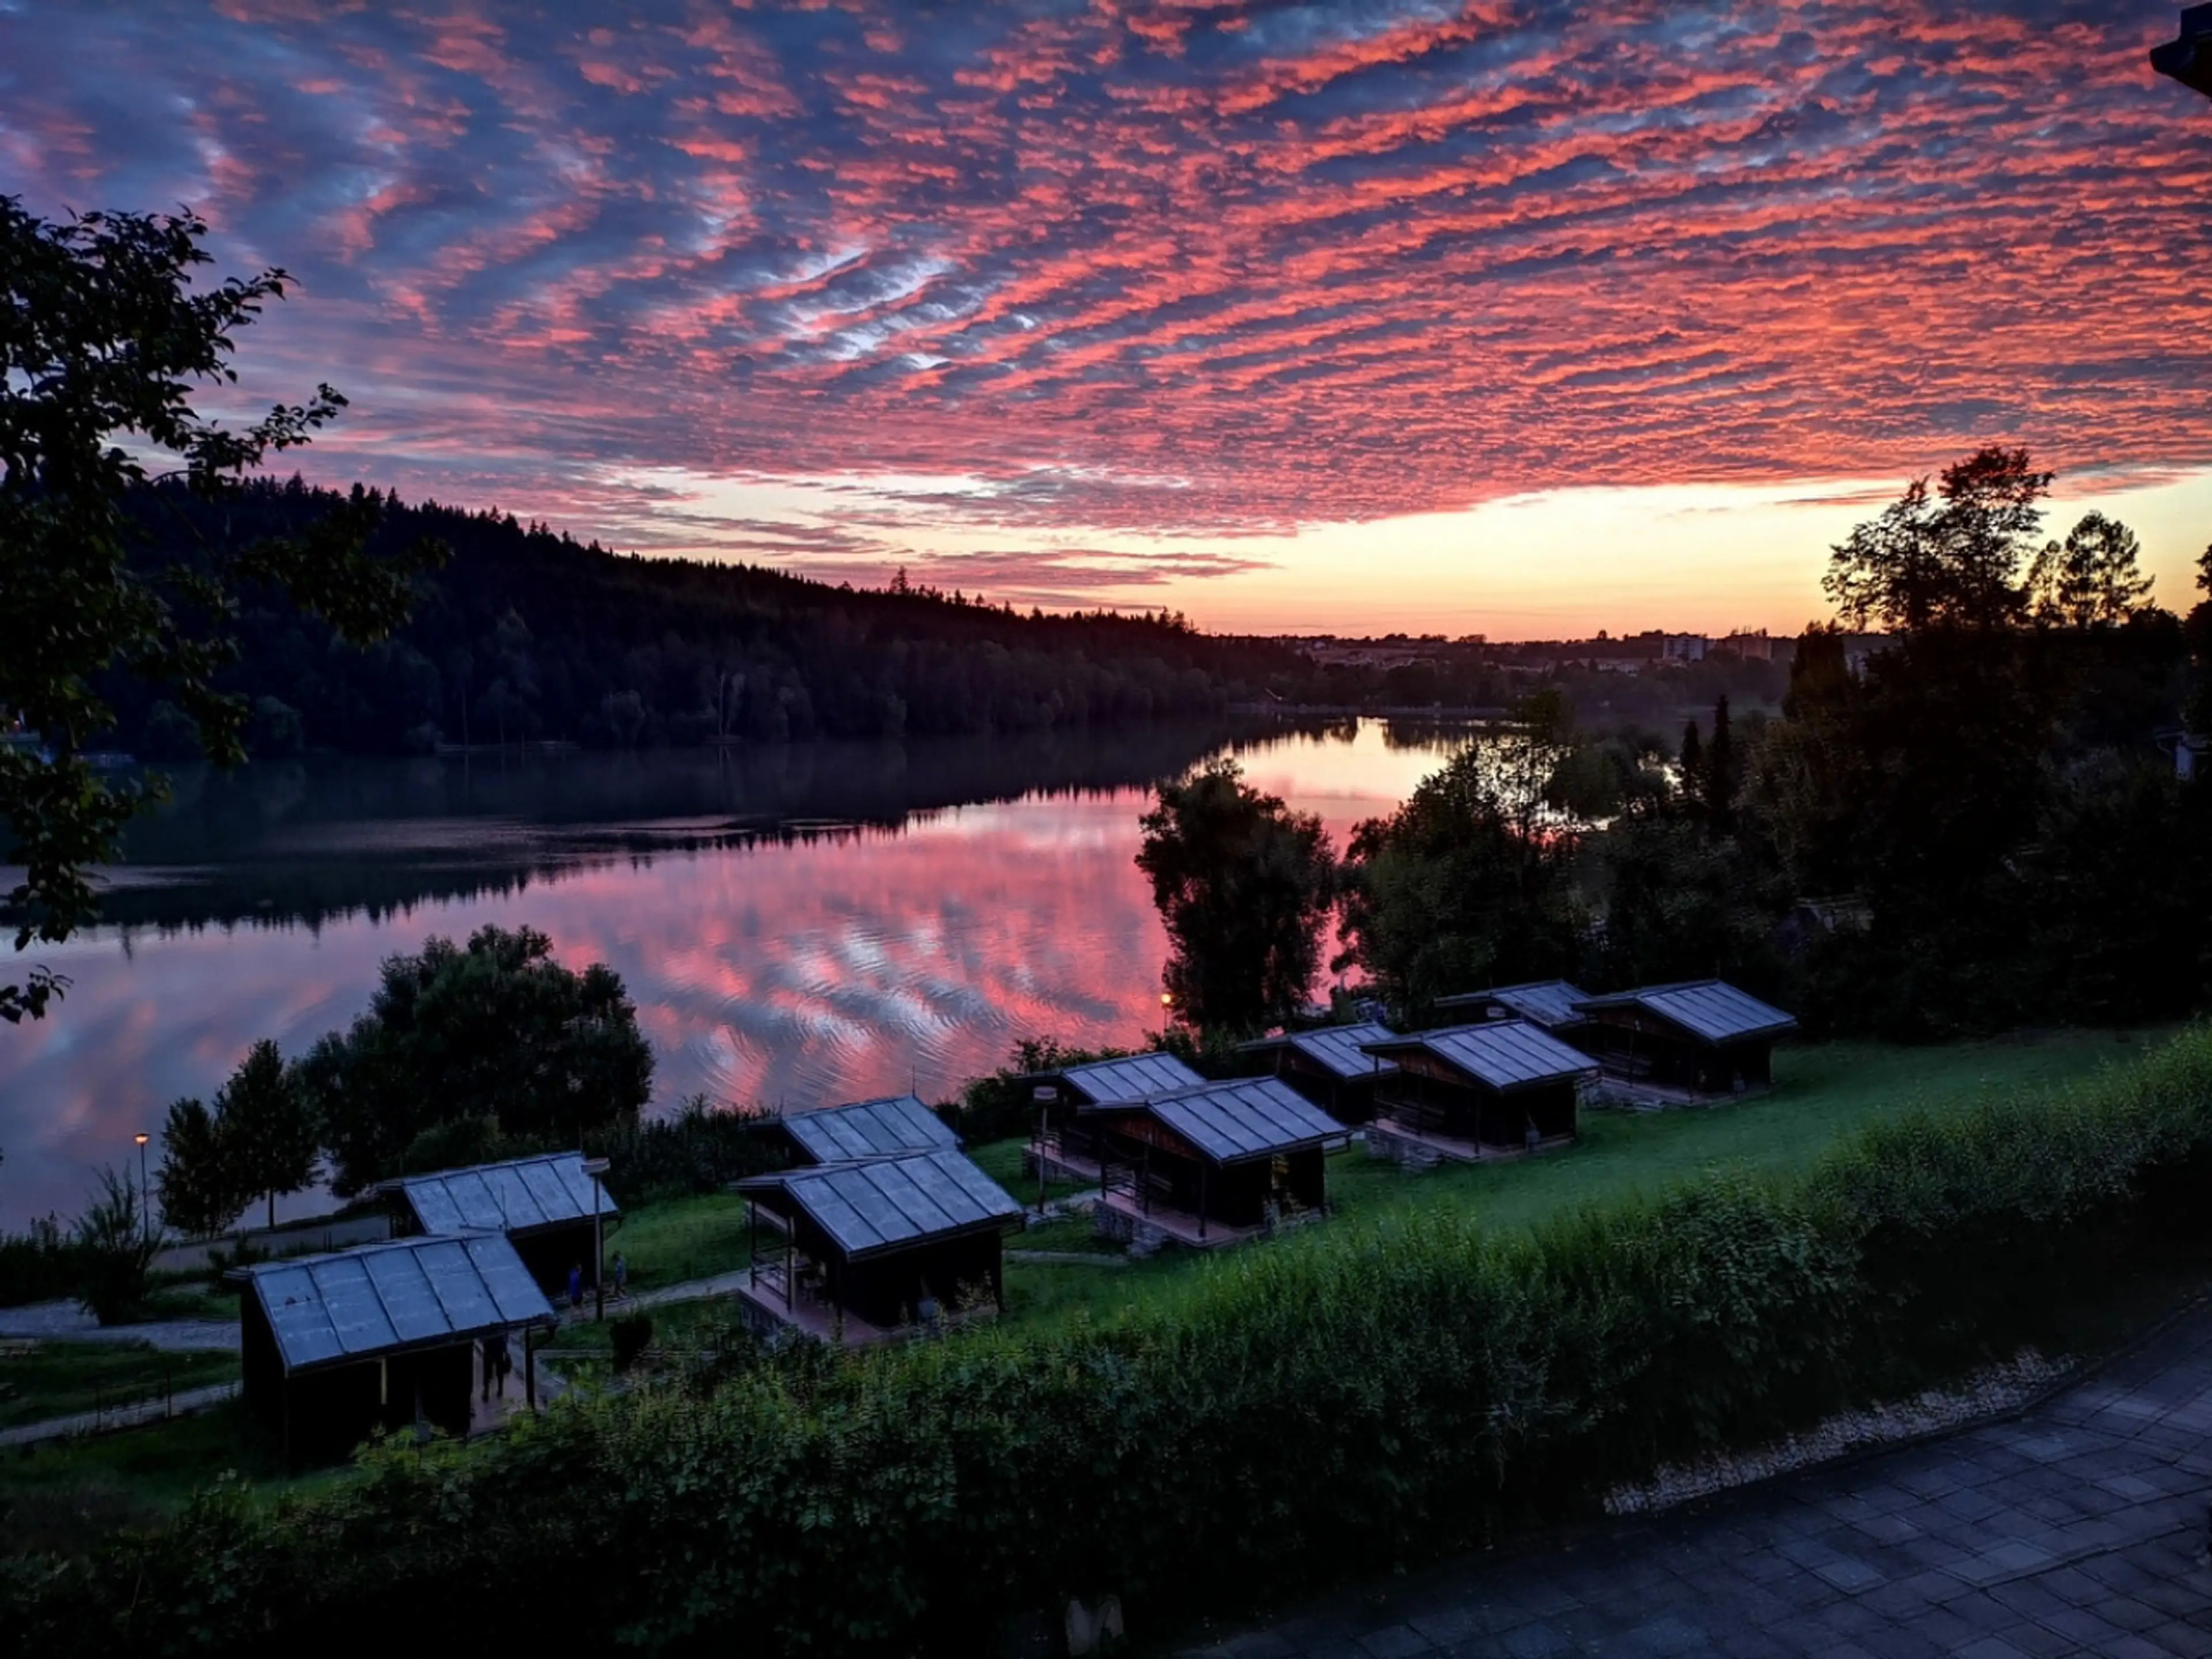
(1518, 318)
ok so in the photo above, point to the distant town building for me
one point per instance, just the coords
(1685, 648)
(1753, 645)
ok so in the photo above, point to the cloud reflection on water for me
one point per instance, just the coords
(795, 972)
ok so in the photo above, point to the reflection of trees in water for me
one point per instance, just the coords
(1445, 737)
(312, 841)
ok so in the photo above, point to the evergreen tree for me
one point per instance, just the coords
(1693, 764)
(1720, 775)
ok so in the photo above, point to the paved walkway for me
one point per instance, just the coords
(67, 1321)
(691, 1289)
(119, 1417)
(2078, 1528)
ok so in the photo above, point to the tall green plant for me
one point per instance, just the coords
(116, 1242)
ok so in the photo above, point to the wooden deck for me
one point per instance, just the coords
(762, 1309)
(1058, 1164)
(1458, 1151)
(1180, 1226)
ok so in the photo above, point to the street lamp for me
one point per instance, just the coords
(2189, 59)
(597, 1169)
(145, 1204)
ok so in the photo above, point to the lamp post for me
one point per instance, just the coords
(145, 1203)
(2189, 59)
(597, 1169)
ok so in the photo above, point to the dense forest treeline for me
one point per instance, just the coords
(524, 636)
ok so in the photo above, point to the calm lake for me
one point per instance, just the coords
(797, 925)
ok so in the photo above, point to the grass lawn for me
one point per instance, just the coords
(57, 1379)
(70, 1494)
(1001, 1160)
(681, 1238)
(1822, 1093)
(192, 1298)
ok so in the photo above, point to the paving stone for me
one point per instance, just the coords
(1668, 1635)
(1538, 1641)
(2076, 1529)
(1850, 1576)
(2183, 1640)
(1395, 1641)
(2038, 1641)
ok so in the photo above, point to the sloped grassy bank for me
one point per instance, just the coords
(1346, 1398)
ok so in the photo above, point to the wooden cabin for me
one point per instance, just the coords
(1701, 1040)
(865, 1129)
(1469, 1092)
(336, 1346)
(1212, 1164)
(1550, 1003)
(861, 1251)
(1065, 1141)
(553, 1209)
(1327, 1066)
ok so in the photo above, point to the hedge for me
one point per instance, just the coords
(1340, 1400)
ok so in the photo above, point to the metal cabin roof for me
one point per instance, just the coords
(870, 1128)
(1505, 1054)
(1548, 1002)
(1335, 1047)
(869, 1207)
(1707, 1008)
(1135, 1077)
(519, 1196)
(410, 1292)
(1242, 1119)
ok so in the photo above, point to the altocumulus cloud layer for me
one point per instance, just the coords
(1057, 269)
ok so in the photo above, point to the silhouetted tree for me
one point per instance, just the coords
(498, 1030)
(103, 342)
(2092, 580)
(1243, 884)
(1720, 774)
(1470, 882)
(266, 1130)
(199, 1191)
(2199, 630)
(1952, 561)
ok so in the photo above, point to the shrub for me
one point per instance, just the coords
(116, 1245)
(699, 1148)
(1338, 1400)
(629, 1336)
(40, 1264)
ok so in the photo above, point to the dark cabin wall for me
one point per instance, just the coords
(548, 1255)
(1233, 1195)
(331, 1411)
(1343, 1099)
(1458, 1108)
(958, 1273)
(1638, 1047)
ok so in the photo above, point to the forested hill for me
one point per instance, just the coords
(525, 634)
